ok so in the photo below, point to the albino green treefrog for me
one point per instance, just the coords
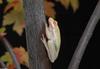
(52, 45)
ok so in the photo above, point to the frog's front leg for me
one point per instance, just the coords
(48, 48)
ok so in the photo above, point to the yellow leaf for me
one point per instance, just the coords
(15, 16)
(49, 10)
(6, 58)
(9, 18)
(10, 1)
(16, 4)
(18, 27)
(2, 29)
(0, 1)
(19, 6)
(74, 4)
(2, 32)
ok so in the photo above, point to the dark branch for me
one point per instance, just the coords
(74, 64)
(35, 19)
(9, 49)
(2, 65)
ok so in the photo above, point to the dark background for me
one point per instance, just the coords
(72, 26)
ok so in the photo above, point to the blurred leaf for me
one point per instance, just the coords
(21, 55)
(2, 32)
(74, 4)
(16, 4)
(49, 10)
(11, 66)
(2, 29)
(18, 27)
(6, 58)
(0, 1)
(9, 18)
(15, 16)
(10, 1)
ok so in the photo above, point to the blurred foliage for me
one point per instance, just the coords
(14, 16)
(21, 55)
(2, 29)
(49, 10)
(2, 32)
(14, 13)
(73, 3)
(0, 1)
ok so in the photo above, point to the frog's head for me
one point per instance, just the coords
(52, 23)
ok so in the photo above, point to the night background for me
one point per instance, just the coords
(72, 25)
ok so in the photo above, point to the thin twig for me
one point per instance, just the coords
(74, 64)
(9, 49)
(2, 64)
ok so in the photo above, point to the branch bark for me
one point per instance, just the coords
(9, 49)
(2, 65)
(74, 64)
(35, 19)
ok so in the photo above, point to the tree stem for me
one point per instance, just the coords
(35, 19)
(74, 64)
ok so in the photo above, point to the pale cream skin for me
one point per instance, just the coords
(54, 40)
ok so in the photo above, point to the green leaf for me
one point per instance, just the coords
(6, 58)
(2, 29)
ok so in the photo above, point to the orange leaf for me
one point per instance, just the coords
(49, 10)
(21, 55)
(16, 4)
(9, 6)
(11, 66)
